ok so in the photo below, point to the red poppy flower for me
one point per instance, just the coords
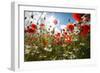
(68, 39)
(42, 26)
(57, 36)
(85, 29)
(70, 27)
(31, 29)
(65, 33)
(76, 16)
(57, 39)
(34, 26)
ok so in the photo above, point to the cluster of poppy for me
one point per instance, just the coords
(84, 29)
(67, 34)
(31, 28)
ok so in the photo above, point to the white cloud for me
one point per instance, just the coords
(62, 26)
(57, 30)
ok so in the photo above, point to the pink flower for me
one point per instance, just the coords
(55, 22)
(42, 26)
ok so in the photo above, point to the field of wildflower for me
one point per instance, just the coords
(56, 36)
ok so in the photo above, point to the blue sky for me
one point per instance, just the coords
(62, 17)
